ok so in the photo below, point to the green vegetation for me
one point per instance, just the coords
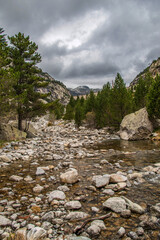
(20, 78)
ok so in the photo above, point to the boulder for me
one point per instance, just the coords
(136, 126)
(10, 133)
(30, 131)
(116, 204)
(21, 234)
(71, 176)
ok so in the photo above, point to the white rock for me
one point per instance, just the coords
(116, 178)
(38, 189)
(16, 178)
(99, 223)
(56, 194)
(71, 176)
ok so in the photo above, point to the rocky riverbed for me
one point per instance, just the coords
(65, 178)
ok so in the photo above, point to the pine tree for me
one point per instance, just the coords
(119, 100)
(78, 115)
(23, 53)
(153, 98)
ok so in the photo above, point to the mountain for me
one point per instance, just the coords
(81, 90)
(56, 89)
(153, 69)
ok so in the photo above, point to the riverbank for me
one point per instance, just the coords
(37, 190)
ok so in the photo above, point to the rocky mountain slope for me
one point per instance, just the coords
(81, 90)
(56, 89)
(153, 69)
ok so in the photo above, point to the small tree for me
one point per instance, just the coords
(78, 115)
(23, 53)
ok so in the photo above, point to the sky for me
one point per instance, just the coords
(86, 42)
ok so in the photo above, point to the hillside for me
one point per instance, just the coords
(56, 89)
(153, 69)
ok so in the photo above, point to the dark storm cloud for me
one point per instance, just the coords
(126, 39)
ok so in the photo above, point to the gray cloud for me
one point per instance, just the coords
(82, 48)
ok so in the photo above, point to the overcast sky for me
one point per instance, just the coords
(86, 42)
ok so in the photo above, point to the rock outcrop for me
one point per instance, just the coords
(56, 89)
(136, 126)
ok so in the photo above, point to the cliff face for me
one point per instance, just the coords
(56, 89)
(153, 69)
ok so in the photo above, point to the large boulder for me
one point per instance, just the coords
(136, 126)
(10, 133)
(31, 131)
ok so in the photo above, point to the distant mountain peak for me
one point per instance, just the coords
(82, 90)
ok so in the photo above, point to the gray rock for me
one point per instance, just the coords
(4, 221)
(121, 231)
(99, 223)
(101, 181)
(56, 194)
(48, 216)
(76, 215)
(134, 207)
(116, 204)
(40, 171)
(73, 205)
(117, 178)
(93, 230)
(16, 178)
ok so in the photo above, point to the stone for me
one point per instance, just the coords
(76, 215)
(134, 207)
(101, 181)
(121, 231)
(117, 178)
(63, 188)
(4, 221)
(40, 171)
(10, 133)
(136, 126)
(108, 192)
(116, 204)
(21, 234)
(36, 233)
(133, 235)
(5, 159)
(16, 178)
(78, 238)
(99, 223)
(56, 194)
(49, 216)
(126, 213)
(73, 205)
(38, 189)
(93, 230)
(71, 176)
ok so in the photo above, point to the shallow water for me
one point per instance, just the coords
(135, 154)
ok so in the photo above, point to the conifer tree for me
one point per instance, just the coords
(24, 56)
(153, 98)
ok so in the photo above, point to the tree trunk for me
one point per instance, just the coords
(20, 121)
